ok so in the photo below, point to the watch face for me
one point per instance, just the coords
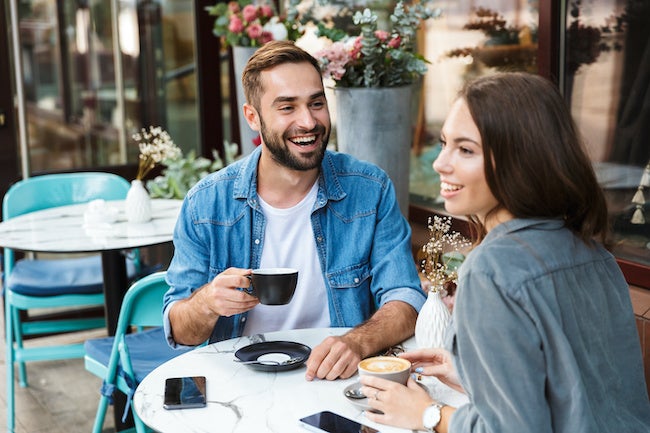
(431, 417)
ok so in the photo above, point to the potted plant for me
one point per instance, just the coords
(374, 72)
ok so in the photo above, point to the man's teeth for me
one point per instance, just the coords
(449, 187)
(304, 140)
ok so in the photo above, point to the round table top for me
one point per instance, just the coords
(65, 229)
(241, 399)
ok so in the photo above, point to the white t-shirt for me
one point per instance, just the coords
(289, 243)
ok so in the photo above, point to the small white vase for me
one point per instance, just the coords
(138, 203)
(432, 322)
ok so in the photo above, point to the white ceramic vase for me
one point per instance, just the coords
(432, 322)
(138, 203)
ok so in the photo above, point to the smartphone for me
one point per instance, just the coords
(330, 422)
(184, 392)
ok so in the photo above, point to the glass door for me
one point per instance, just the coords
(95, 72)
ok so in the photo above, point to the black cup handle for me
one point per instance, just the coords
(249, 289)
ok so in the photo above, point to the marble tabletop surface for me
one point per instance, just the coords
(67, 229)
(244, 400)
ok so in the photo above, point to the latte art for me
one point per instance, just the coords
(384, 364)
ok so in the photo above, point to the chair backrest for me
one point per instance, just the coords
(60, 189)
(143, 303)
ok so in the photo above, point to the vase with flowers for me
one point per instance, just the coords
(246, 25)
(374, 73)
(443, 254)
(155, 146)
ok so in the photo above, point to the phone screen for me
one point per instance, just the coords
(184, 392)
(333, 423)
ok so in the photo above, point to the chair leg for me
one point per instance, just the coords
(102, 407)
(9, 361)
(18, 335)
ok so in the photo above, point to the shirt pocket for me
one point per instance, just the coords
(350, 277)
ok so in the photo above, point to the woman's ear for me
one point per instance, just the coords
(252, 117)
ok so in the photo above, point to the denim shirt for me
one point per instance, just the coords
(363, 240)
(544, 337)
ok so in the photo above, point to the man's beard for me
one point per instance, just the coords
(282, 154)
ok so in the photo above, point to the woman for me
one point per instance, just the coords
(543, 337)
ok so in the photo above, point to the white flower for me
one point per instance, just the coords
(277, 29)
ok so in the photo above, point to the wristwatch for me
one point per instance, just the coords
(431, 417)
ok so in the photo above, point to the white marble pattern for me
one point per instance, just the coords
(64, 230)
(243, 400)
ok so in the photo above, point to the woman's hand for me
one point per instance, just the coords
(435, 362)
(402, 406)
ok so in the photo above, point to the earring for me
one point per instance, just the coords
(639, 199)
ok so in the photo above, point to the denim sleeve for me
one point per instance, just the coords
(189, 266)
(499, 358)
(394, 273)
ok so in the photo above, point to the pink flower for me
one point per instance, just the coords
(266, 10)
(266, 37)
(382, 35)
(335, 59)
(395, 42)
(233, 7)
(235, 26)
(249, 13)
(355, 53)
(254, 31)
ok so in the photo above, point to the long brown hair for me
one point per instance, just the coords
(535, 164)
(271, 54)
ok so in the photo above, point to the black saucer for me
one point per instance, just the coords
(296, 351)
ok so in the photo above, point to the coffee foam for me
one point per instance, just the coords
(383, 365)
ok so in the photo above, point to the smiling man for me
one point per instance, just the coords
(292, 203)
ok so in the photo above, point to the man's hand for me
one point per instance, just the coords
(337, 357)
(193, 319)
(334, 358)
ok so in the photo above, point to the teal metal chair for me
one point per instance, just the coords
(52, 283)
(124, 360)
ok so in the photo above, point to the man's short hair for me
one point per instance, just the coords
(271, 54)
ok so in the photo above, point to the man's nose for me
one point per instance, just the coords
(306, 119)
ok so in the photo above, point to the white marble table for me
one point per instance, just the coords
(243, 400)
(64, 230)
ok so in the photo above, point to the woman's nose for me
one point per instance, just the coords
(441, 163)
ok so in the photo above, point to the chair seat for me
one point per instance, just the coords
(147, 350)
(73, 276)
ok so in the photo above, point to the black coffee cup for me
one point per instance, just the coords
(274, 286)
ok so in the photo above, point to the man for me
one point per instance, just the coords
(292, 203)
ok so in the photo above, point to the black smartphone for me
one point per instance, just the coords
(330, 422)
(184, 392)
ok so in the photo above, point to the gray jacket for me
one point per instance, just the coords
(544, 337)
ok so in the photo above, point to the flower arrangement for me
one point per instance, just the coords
(375, 57)
(248, 24)
(155, 146)
(442, 255)
(181, 173)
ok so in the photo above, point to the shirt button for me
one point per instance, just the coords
(319, 239)
(257, 241)
(243, 319)
(356, 280)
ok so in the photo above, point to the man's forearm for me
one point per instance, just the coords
(393, 323)
(191, 322)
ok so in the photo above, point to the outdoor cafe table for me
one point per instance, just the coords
(63, 230)
(243, 400)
